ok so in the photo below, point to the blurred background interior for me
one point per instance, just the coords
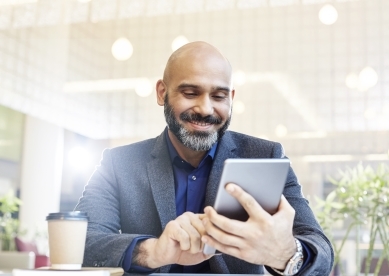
(78, 76)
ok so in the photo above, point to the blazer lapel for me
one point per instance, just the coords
(225, 150)
(161, 177)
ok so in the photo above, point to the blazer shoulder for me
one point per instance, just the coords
(252, 147)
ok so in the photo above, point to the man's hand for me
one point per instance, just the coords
(262, 239)
(180, 243)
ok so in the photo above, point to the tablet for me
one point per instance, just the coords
(264, 179)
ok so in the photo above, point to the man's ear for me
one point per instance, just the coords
(161, 92)
(232, 93)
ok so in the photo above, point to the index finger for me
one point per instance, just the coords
(195, 221)
(252, 207)
(195, 229)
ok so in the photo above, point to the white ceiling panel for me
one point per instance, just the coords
(295, 67)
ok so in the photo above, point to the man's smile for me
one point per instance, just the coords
(201, 126)
(200, 123)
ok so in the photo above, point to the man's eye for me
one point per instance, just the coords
(190, 94)
(220, 97)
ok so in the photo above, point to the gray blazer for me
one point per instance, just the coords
(132, 193)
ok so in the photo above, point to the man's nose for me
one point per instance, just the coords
(204, 106)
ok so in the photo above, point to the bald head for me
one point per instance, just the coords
(193, 53)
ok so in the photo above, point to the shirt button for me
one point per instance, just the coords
(193, 177)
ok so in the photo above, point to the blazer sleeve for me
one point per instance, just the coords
(105, 245)
(305, 226)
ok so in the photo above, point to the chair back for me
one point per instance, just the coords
(24, 246)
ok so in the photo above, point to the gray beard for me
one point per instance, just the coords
(194, 140)
(197, 141)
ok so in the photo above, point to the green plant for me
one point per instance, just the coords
(360, 201)
(9, 226)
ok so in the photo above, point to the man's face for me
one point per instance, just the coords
(197, 98)
(209, 130)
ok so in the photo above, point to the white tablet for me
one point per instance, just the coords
(264, 179)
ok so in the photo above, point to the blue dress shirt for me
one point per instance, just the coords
(190, 188)
(190, 184)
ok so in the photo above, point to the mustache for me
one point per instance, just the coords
(195, 117)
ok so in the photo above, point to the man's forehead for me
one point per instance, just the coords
(201, 75)
(185, 85)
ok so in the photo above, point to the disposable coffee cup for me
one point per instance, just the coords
(67, 234)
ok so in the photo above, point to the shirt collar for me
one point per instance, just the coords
(173, 152)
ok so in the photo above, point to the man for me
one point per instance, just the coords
(146, 200)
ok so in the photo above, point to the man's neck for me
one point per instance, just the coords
(191, 156)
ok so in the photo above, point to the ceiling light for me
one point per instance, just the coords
(238, 107)
(122, 49)
(178, 42)
(239, 78)
(281, 131)
(144, 88)
(328, 14)
(367, 78)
